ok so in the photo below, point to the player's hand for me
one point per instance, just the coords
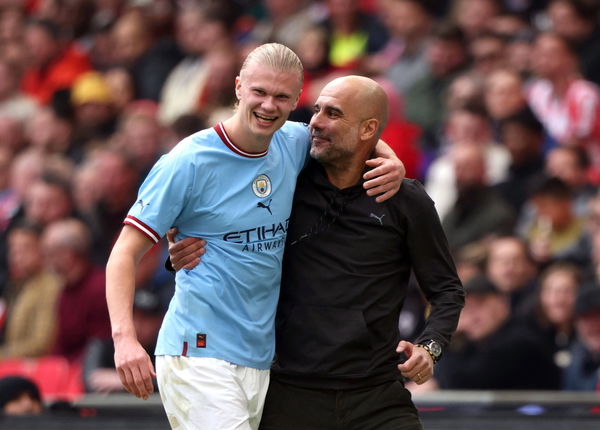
(186, 253)
(384, 178)
(134, 367)
(418, 365)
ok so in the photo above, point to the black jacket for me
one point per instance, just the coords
(345, 276)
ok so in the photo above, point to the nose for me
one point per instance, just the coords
(268, 104)
(315, 120)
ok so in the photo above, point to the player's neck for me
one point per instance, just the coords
(242, 139)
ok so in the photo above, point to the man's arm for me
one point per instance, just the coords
(132, 362)
(386, 173)
(435, 271)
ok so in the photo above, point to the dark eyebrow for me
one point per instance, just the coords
(329, 109)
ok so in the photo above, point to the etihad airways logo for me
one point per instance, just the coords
(261, 238)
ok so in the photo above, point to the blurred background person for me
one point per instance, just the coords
(493, 351)
(478, 212)
(567, 104)
(511, 268)
(552, 314)
(20, 396)
(30, 297)
(555, 229)
(82, 312)
(583, 374)
(54, 61)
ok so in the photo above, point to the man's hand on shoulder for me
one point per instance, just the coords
(185, 253)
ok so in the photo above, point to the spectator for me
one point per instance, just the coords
(423, 101)
(570, 164)
(201, 29)
(12, 135)
(555, 230)
(49, 132)
(116, 182)
(30, 297)
(9, 201)
(523, 136)
(583, 372)
(478, 211)
(82, 311)
(552, 314)
(139, 135)
(488, 51)
(474, 17)
(48, 200)
(567, 105)
(510, 267)
(493, 351)
(95, 118)
(353, 33)
(404, 58)
(504, 94)
(13, 102)
(577, 21)
(54, 62)
(284, 23)
(149, 61)
(467, 125)
(19, 396)
(121, 87)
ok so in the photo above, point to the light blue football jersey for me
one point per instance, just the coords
(240, 203)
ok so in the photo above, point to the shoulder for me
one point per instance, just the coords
(413, 190)
(412, 199)
(294, 129)
(187, 150)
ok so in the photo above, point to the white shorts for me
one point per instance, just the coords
(210, 394)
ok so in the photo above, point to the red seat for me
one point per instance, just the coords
(56, 378)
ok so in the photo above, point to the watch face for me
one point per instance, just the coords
(435, 348)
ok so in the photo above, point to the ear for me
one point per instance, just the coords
(238, 88)
(368, 128)
(297, 99)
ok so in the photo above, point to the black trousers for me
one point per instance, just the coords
(382, 407)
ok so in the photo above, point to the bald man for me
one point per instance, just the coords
(347, 262)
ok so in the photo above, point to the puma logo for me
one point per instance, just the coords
(142, 204)
(378, 218)
(267, 207)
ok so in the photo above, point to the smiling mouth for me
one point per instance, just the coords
(265, 118)
(318, 138)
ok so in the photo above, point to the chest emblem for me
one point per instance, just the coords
(261, 186)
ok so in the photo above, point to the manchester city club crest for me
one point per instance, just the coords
(261, 186)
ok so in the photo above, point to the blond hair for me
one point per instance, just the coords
(276, 56)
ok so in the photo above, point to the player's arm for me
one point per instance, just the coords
(386, 173)
(132, 362)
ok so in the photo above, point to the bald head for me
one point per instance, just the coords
(364, 95)
(348, 118)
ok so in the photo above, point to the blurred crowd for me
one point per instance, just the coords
(494, 106)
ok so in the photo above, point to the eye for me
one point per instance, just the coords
(259, 92)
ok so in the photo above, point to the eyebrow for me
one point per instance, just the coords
(337, 110)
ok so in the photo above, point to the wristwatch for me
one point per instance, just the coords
(433, 348)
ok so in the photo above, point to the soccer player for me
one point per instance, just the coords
(345, 276)
(232, 185)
